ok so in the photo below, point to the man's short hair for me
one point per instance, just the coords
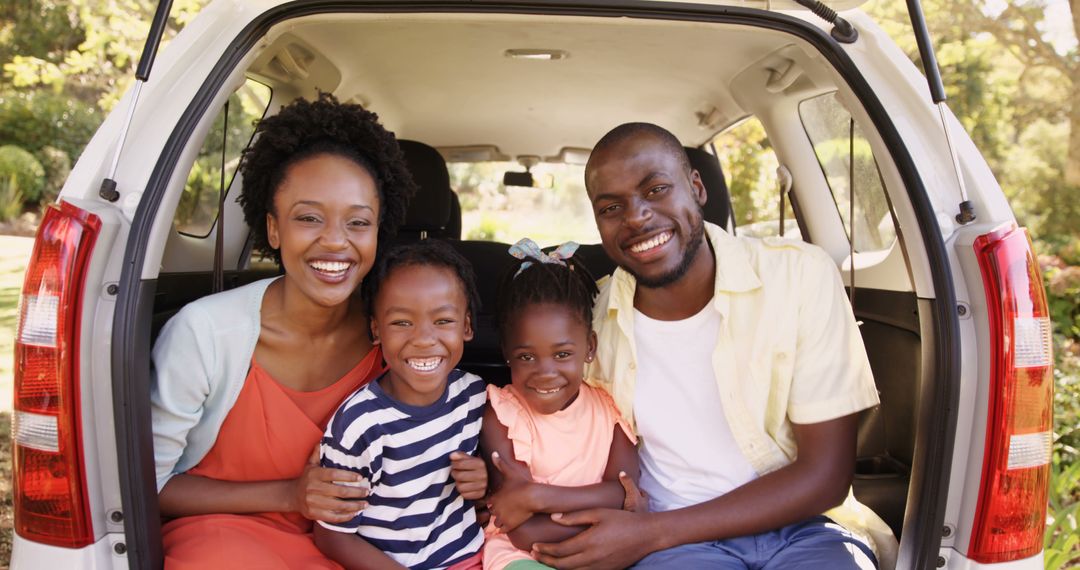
(628, 131)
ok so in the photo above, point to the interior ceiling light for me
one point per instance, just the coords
(537, 54)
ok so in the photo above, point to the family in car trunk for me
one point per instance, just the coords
(739, 456)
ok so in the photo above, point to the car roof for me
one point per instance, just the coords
(412, 68)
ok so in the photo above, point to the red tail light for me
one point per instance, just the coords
(49, 477)
(1011, 512)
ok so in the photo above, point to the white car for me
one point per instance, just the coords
(956, 458)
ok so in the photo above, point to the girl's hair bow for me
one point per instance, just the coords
(526, 248)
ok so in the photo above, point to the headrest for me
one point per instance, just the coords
(453, 225)
(718, 206)
(429, 209)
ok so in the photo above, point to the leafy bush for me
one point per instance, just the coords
(490, 228)
(11, 199)
(1061, 272)
(36, 119)
(57, 166)
(1062, 540)
(198, 206)
(22, 172)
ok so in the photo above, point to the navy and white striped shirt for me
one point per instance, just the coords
(414, 514)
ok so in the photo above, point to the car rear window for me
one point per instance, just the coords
(554, 210)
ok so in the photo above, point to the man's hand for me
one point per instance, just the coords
(470, 475)
(331, 495)
(613, 540)
(511, 504)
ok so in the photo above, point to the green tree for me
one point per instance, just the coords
(65, 63)
(52, 34)
(1016, 93)
(87, 50)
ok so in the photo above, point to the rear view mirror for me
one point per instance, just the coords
(518, 179)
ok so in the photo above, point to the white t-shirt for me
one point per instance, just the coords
(688, 454)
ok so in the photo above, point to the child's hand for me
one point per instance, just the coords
(636, 500)
(470, 475)
(511, 505)
(483, 514)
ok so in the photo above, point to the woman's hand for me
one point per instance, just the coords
(470, 475)
(511, 505)
(329, 495)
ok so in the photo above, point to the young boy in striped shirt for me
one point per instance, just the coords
(413, 432)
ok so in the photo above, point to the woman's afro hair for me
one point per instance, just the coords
(304, 129)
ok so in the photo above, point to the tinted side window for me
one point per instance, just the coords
(750, 170)
(198, 208)
(847, 160)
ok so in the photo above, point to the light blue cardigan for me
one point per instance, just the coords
(200, 361)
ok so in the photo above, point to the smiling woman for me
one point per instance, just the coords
(324, 225)
(238, 408)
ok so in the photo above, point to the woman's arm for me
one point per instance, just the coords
(186, 375)
(186, 495)
(183, 359)
(313, 494)
(352, 551)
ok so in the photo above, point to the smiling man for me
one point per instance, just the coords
(740, 366)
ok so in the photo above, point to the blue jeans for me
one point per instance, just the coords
(814, 543)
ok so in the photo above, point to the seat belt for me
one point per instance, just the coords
(851, 213)
(784, 178)
(218, 281)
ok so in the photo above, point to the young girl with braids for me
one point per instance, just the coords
(553, 443)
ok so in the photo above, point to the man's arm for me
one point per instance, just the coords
(516, 497)
(540, 528)
(352, 551)
(816, 481)
(622, 459)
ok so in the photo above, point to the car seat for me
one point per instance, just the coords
(429, 210)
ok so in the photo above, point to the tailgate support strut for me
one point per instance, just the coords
(108, 189)
(937, 94)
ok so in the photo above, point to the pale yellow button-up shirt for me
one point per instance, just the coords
(789, 349)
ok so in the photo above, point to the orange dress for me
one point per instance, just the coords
(268, 435)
